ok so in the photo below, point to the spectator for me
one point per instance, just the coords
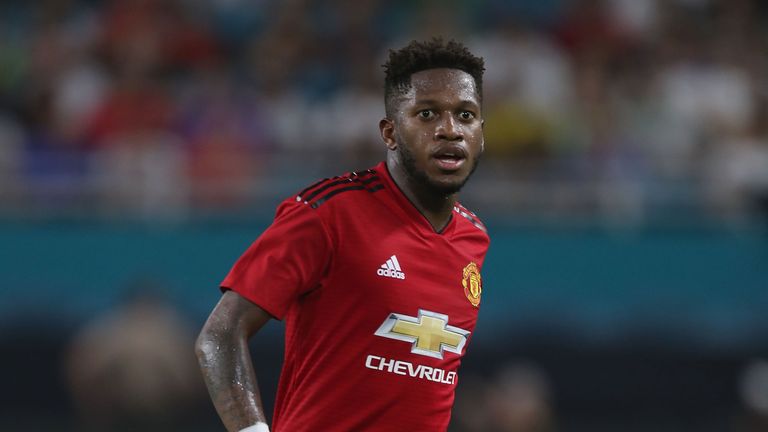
(131, 369)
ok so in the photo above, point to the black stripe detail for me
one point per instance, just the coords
(336, 180)
(475, 222)
(330, 194)
(467, 215)
(311, 186)
(469, 212)
(343, 180)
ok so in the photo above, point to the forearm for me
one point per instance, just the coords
(226, 365)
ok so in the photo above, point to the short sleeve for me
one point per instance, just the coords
(286, 261)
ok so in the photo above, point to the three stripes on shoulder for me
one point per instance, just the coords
(320, 192)
(315, 195)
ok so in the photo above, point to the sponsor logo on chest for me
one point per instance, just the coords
(428, 335)
(391, 268)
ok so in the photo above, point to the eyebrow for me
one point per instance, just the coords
(462, 103)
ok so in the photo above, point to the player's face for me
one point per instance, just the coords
(437, 133)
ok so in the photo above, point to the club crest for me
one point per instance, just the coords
(472, 284)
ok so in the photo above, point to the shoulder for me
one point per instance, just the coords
(337, 190)
(469, 219)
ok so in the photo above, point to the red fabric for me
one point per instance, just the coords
(318, 269)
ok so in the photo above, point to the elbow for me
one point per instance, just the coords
(206, 347)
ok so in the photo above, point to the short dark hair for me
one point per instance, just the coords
(422, 55)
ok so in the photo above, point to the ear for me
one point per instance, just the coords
(482, 135)
(387, 130)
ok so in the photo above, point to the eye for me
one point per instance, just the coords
(466, 115)
(426, 114)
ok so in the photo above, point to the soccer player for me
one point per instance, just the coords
(376, 273)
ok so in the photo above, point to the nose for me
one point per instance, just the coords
(448, 129)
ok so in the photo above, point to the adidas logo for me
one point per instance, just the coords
(391, 268)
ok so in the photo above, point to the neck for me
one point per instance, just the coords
(436, 207)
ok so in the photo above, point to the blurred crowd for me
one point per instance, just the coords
(131, 368)
(164, 108)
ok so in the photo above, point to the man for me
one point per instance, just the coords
(376, 273)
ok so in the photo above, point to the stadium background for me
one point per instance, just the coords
(145, 143)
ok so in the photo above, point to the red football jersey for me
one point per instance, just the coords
(379, 308)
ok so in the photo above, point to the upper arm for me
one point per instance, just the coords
(224, 358)
(234, 316)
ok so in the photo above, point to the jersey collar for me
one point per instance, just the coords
(405, 208)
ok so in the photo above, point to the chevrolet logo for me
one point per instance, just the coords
(429, 333)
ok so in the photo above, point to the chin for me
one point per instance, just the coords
(438, 181)
(447, 187)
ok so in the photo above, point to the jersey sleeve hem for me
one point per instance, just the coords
(255, 301)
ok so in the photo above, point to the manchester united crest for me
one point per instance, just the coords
(471, 282)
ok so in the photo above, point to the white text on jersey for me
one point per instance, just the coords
(405, 368)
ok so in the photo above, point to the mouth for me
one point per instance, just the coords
(450, 158)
